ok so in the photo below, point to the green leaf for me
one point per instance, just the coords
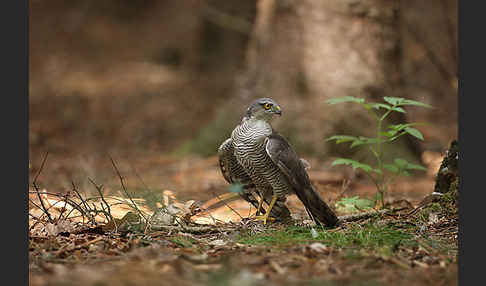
(384, 106)
(389, 133)
(396, 136)
(364, 140)
(342, 138)
(357, 143)
(353, 163)
(406, 128)
(399, 109)
(398, 127)
(416, 103)
(353, 204)
(411, 166)
(401, 163)
(393, 100)
(378, 105)
(391, 167)
(414, 132)
(399, 101)
(337, 100)
(377, 171)
(368, 140)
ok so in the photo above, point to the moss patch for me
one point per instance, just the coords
(369, 236)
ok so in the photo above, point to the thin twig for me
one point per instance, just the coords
(98, 188)
(69, 201)
(63, 209)
(78, 208)
(37, 189)
(140, 178)
(125, 189)
(145, 185)
(36, 205)
(227, 205)
(34, 217)
(37, 220)
(86, 206)
(344, 187)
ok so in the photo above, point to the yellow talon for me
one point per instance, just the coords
(265, 217)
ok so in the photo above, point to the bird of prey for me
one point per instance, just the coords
(265, 164)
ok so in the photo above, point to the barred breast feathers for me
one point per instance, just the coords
(249, 142)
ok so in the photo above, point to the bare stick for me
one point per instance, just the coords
(190, 229)
(355, 217)
(125, 189)
(63, 209)
(86, 207)
(37, 189)
(99, 188)
(36, 205)
(69, 201)
(80, 197)
(140, 178)
(227, 205)
(344, 187)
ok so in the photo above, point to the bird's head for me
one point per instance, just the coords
(263, 108)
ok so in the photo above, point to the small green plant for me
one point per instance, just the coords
(380, 111)
(353, 204)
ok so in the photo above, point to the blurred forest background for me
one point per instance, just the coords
(153, 81)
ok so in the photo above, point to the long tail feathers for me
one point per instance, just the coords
(316, 207)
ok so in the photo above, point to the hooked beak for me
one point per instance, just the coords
(276, 110)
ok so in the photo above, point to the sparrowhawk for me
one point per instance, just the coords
(265, 164)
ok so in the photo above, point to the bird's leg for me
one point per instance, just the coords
(260, 203)
(267, 214)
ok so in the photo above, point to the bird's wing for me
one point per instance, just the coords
(233, 172)
(287, 160)
(226, 159)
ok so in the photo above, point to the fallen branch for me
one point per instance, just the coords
(360, 216)
(190, 229)
(432, 198)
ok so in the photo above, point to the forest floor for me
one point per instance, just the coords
(414, 243)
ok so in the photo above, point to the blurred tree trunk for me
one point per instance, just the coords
(251, 82)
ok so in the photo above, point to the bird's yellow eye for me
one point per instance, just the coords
(267, 106)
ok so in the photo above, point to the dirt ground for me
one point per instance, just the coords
(223, 246)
